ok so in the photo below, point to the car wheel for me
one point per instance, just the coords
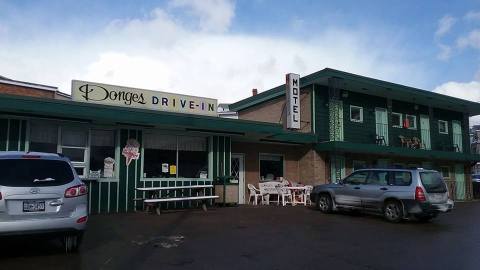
(393, 211)
(72, 242)
(324, 203)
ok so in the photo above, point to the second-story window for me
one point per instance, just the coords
(442, 127)
(411, 121)
(397, 120)
(356, 114)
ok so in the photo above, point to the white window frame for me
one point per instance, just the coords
(270, 154)
(401, 120)
(86, 151)
(361, 114)
(446, 126)
(85, 165)
(414, 121)
(116, 168)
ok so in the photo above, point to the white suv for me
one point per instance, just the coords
(41, 193)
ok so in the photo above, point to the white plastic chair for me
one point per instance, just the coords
(255, 193)
(285, 194)
(306, 195)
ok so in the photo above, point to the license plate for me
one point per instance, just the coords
(33, 206)
(436, 197)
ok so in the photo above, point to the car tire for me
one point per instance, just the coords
(393, 211)
(71, 242)
(324, 203)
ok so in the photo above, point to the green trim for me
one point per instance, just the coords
(366, 85)
(83, 112)
(394, 151)
(313, 110)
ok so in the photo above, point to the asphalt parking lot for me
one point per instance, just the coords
(259, 238)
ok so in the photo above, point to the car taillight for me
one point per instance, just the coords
(76, 191)
(82, 219)
(420, 194)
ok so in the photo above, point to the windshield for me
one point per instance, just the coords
(433, 182)
(34, 172)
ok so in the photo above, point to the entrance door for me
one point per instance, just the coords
(238, 173)
(457, 136)
(381, 120)
(459, 182)
(425, 131)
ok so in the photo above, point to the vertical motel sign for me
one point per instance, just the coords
(293, 100)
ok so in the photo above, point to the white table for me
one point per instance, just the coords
(298, 191)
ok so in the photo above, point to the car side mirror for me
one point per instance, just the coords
(341, 182)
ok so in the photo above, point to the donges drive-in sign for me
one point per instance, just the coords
(106, 94)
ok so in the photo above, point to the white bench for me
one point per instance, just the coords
(157, 199)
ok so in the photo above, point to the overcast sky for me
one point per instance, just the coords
(223, 49)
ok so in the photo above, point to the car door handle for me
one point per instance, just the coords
(383, 188)
(356, 188)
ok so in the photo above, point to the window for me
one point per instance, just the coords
(160, 156)
(192, 157)
(271, 167)
(92, 152)
(357, 178)
(102, 153)
(171, 156)
(433, 182)
(43, 138)
(397, 119)
(412, 121)
(356, 114)
(357, 165)
(23, 172)
(74, 146)
(445, 172)
(378, 178)
(442, 127)
(399, 178)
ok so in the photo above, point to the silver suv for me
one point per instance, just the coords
(41, 193)
(395, 193)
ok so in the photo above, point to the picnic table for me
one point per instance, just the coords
(155, 197)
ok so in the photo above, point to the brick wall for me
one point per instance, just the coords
(301, 163)
(312, 167)
(274, 111)
(25, 91)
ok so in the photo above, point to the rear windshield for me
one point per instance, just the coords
(34, 172)
(433, 182)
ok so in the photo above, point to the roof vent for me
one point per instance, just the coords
(254, 91)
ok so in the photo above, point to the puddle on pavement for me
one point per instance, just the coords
(171, 241)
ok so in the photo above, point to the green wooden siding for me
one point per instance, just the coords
(321, 113)
(363, 132)
(440, 141)
(3, 134)
(12, 134)
(111, 197)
